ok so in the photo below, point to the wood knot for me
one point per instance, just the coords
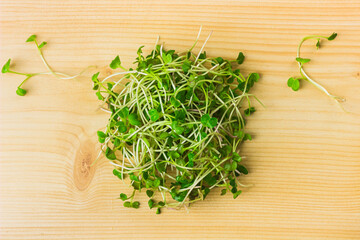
(83, 170)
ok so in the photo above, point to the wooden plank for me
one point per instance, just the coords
(304, 160)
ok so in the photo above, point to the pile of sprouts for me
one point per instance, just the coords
(176, 123)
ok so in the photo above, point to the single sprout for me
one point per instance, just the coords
(294, 82)
(176, 123)
(20, 91)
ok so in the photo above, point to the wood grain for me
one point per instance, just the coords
(304, 160)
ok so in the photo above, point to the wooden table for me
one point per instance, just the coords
(304, 160)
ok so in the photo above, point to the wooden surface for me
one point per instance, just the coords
(304, 160)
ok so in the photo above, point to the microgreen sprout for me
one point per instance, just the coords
(294, 82)
(176, 125)
(20, 91)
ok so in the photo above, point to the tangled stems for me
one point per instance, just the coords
(20, 91)
(294, 82)
(176, 125)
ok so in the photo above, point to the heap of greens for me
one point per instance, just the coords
(176, 125)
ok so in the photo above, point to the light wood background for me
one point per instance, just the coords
(304, 160)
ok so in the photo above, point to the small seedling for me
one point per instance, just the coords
(294, 82)
(22, 92)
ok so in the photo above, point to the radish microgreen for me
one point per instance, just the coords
(22, 92)
(175, 125)
(294, 82)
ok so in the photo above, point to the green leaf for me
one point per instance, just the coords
(293, 83)
(121, 127)
(175, 102)
(191, 156)
(151, 203)
(318, 44)
(236, 157)
(233, 166)
(133, 177)
(149, 193)
(233, 183)
(100, 97)
(205, 119)
(174, 154)
(164, 135)
(139, 51)
(225, 151)
(186, 66)
(302, 60)
(127, 204)
(20, 91)
(332, 36)
(154, 115)
(240, 59)
(247, 137)
(235, 195)
(177, 127)
(227, 167)
(210, 180)
(253, 77)
(219, 60)
(95, 80)
(135, 204)
(158, 211)
(160, 166)
(212, 122)
(116, 63)
(180, 115)
(191, 159)
(133, 119)
(118, 174)
(203, 135)
(101, 136)
(242, 169)
(205, 192)
(249, 111)
(32, 38)
(42, 44)
(110, 154)
(6, 66)
(167, 58)
(124, 113)
(156, 183)
(178, 196)
(202, 55)
(223, 192)
(123, 196)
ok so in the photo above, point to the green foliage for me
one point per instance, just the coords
(176, 125)
(240, 59)
(20, 91)
(293, 83)
(6, 66)
(116, 63)
(42, 44)
(32, 38)
(332, 36)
